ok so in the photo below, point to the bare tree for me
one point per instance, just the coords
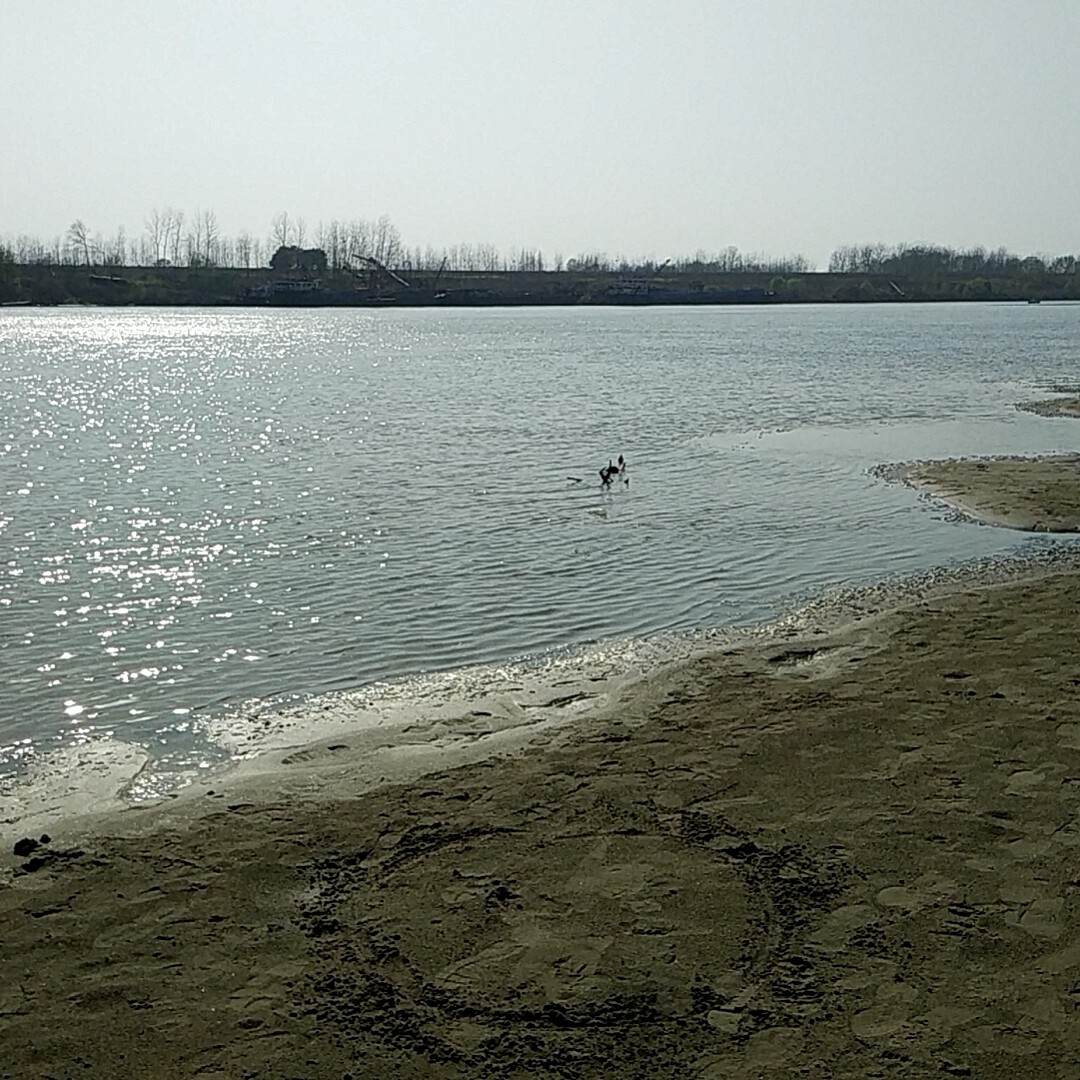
(192, 245)
(79, 239)
(280, 231)
(158, 225)
(118, 249)
(359, 238)
(177, 230)
(242, 248)
(209, 235)
(386, 241)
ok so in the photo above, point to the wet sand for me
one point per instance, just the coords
(1036, 494)
(1062, 406)
(837, 853)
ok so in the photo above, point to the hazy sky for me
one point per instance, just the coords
(638, 128)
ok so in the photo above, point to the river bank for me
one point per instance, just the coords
(181, 286)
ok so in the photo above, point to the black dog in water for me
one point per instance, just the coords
(610, 471)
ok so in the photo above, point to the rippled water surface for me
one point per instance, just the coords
(202, 506)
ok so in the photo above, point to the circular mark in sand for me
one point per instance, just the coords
(486, 946)
(572, 922)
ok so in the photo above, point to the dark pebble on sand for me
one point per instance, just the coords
(25, 846)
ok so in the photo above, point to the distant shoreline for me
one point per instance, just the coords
(171, 286)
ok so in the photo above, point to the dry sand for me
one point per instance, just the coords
(854, 854)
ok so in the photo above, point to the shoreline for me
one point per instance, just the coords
(61, 285)
(382, 737)
(787, 853)
(844, 844)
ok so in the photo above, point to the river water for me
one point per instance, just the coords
(204, 508)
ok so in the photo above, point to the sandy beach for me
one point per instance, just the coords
(849, 851)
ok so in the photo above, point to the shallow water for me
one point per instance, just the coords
(205, 507)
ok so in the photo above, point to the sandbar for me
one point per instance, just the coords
(1062, 406)
(1037, 494)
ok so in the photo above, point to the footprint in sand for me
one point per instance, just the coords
(877, 1021)
(1041, 918)
(899, 896)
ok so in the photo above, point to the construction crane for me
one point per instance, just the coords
(377, 273)
(442, 267)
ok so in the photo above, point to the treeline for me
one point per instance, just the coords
(925, 261)
(173, 238)
(728, 261)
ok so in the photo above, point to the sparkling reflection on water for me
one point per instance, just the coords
(201, 507)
